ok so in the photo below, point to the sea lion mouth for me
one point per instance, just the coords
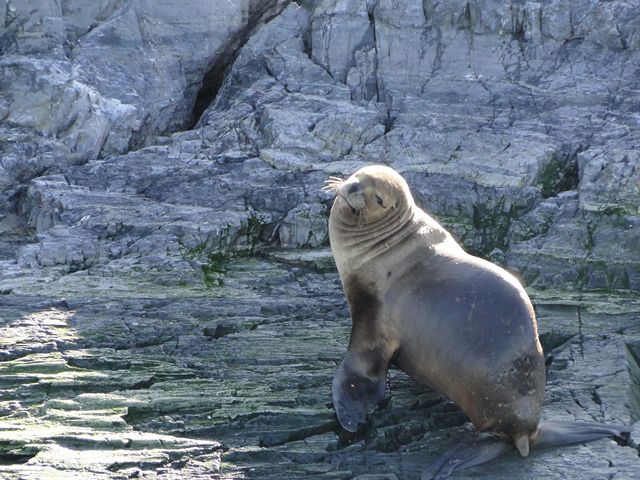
(354, 210)
(356, 204)
(336, 184)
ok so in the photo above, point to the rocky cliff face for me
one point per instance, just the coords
(168, 302)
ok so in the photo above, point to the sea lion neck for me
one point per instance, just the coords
(356, 241)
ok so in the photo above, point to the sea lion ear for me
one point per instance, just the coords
(357, 388)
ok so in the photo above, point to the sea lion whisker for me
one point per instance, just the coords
(334, 179)
(332, 184)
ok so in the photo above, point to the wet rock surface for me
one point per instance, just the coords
(168, 303)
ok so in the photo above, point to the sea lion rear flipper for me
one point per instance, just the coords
(466, 455)
(358, 386)
(556, 433)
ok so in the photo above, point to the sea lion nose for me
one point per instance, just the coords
(353, 188)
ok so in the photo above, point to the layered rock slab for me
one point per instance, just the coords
(233, 379)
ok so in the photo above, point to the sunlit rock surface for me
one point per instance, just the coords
(168, 303)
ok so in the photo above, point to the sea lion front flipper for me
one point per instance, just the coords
(358, 386)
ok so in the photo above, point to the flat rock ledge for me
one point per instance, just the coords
(231, 379)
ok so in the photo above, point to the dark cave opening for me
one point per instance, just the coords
(211, 84)
(259, 14)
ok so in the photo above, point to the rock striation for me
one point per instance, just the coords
(168, 303)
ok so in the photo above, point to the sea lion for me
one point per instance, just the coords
(453, 321)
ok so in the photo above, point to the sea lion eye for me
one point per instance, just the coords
(380, 202)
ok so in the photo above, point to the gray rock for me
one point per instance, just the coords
(103, 77)
(634, 437)
(610, 182)
(339, 28)
(304, 226)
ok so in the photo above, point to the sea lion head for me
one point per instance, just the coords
(372, 193)
(372, 211)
